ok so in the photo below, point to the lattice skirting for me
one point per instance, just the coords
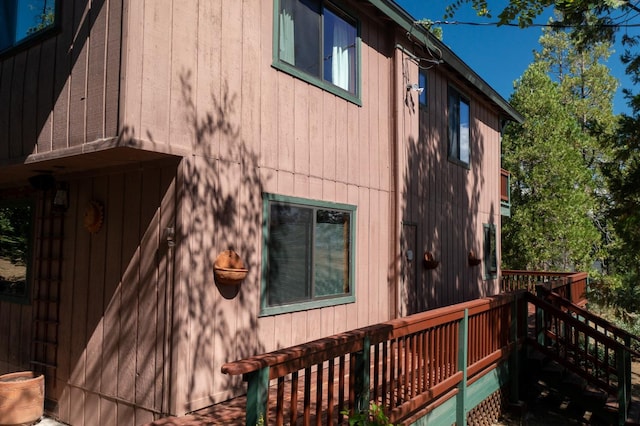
(489, 411)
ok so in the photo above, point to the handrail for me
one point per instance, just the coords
(403, 364)
(597, 357)
(570, 285)
(585, 316)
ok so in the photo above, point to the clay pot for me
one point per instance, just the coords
(21, 398)
(229, 269)
(429, 261)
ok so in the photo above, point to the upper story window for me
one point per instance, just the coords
(308, 254)
(422, 82)
(318, 42)
(21, 20)
(15, 250)
(459, 123)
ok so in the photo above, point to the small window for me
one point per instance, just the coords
(21, 20)
(422, 82)
(459, 122)
(318, 42)
(490, 252)
(308, 261)
(15, 250)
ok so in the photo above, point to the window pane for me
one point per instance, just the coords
(464, 131)
(289, 245)
(331, 257)
(15, 234)
(299, 37)
(339, 51)
(454, 124)
(22, 18)
(422, 82)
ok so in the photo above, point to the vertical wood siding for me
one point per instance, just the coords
(448, 202)
(197, 78)
(63, 91)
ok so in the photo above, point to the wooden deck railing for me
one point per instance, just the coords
(570, 285)
(409, 366)
(602, 357)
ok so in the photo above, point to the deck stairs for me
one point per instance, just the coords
(578, 365)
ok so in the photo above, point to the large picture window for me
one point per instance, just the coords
(318, 42)
(459, 123)
(23, 19)
(15, 250)
(308, 254)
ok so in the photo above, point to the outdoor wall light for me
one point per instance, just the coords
(61, 198)
(415, 88)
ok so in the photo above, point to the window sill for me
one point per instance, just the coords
(324, 85)
(459, 163)
(305, 306)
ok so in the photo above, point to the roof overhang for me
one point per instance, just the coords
(71, 161)
(402, 18)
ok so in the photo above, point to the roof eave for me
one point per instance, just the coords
(407, 22)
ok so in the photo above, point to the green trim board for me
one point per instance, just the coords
(474, 394)
(308, 268)
(310, 78)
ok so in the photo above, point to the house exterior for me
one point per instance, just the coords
(334, 146)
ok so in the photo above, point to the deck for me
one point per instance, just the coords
(429, 364)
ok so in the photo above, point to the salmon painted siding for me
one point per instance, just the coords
(184, 123)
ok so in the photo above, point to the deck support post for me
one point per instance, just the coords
(463, 347)
(514, 359)
(362, 379)
(257, 393)
(623, 366)
(540, 320)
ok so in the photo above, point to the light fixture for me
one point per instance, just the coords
(61, 197)
(415, 87)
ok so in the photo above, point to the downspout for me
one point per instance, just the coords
(395, 185)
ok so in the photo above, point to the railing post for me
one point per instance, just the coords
(257, 396)
(463, 347)
(362, 379)
(540, 324)
(514, 368)
(623, 359)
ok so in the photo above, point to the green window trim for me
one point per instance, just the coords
(459, 136)
(490, 251)
(16, 241)
(308, 264)
(318, 81)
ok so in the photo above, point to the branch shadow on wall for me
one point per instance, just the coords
(223, 198)
(440, 202)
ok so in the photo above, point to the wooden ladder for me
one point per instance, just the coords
(47, 274)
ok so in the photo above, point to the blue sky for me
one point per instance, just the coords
(499, 54)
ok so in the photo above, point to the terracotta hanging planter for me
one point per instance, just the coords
(429, 261)
(93, 216)
(473, 259)
(21, 398)
(229, 269)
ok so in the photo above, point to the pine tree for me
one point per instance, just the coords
(555, 158)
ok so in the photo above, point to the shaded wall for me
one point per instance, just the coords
(444, 205)
(63, 91)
